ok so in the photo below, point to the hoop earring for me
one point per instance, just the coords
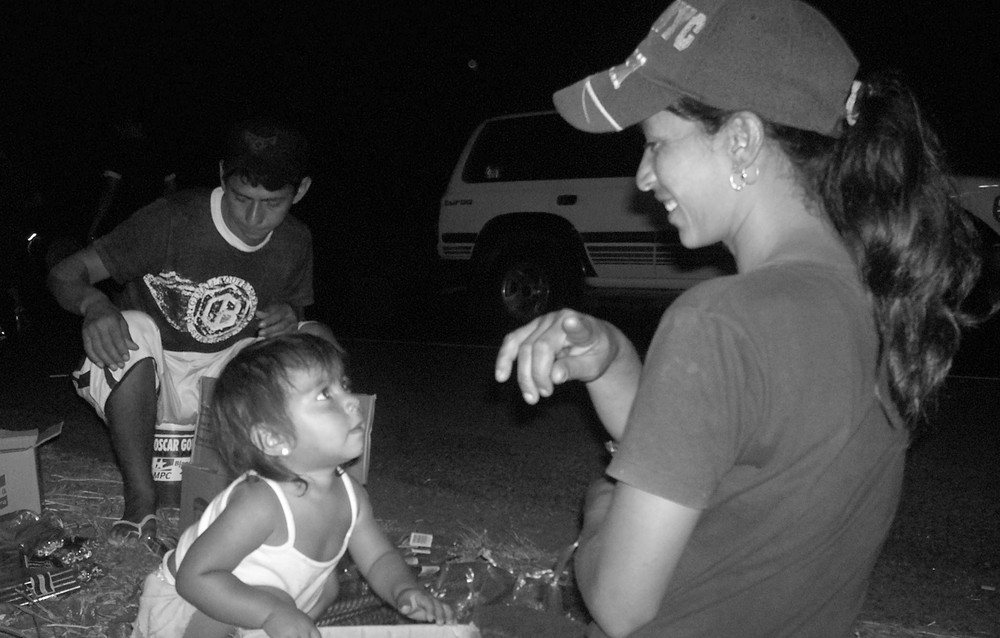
(738, 186)
(745, 179)
(285, 451)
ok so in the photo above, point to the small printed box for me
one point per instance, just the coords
(20, 485)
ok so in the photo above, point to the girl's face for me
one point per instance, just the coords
(688, 172)
(329, 424)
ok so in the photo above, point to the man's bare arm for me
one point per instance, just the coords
(71, 281)
(106, 338)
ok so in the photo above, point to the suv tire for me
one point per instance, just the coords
(520, 280)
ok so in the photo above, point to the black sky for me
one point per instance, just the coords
(389, 93)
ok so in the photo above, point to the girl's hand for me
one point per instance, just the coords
(289, 622)
(556, 348)
(418, 604)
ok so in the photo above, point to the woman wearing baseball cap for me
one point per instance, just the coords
(759, 449)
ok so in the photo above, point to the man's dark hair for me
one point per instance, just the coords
(266, 152)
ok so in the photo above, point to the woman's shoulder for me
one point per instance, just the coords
(772, 299)
(718, 295)
(765, 286)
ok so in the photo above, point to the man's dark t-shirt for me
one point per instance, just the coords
(177, 265)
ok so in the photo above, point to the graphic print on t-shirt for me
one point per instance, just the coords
(211, 311)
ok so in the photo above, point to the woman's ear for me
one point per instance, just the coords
(268, 441)
(744, 137)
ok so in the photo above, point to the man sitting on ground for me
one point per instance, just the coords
(204, 274)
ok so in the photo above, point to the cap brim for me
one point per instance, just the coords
(594, 104)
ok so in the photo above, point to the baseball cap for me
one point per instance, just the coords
(268, 152)
(781, 59)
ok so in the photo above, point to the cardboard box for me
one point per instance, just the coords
(206, 475)
(359, 468)
(19, 479)
(199, 486)
(206, 451)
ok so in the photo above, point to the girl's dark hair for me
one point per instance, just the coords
(883, 185)
(252, 392)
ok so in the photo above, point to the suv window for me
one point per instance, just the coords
(547, 148)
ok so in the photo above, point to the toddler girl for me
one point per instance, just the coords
(264, 553)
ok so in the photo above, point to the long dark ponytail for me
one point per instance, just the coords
(888, 195)
(884, 186)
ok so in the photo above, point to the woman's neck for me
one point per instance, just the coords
(785, 229)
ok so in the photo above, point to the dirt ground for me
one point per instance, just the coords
(460, 457)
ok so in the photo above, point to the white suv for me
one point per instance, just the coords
(535, 210)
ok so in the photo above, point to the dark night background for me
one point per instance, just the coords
(388, 93)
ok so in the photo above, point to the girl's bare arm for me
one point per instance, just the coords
(205, 576)
(386, 572)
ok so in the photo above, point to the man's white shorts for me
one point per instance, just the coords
(177, 373)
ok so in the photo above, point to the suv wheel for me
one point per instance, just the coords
(515, 284)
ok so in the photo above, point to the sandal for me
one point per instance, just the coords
(161, 545)
(125, 531)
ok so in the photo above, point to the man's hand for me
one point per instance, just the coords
(276, 319)
(556, 348)
(106, 338)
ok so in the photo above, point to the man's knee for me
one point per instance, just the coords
(137, 387)
(141, 374)
(104, 388)
(141, 326)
